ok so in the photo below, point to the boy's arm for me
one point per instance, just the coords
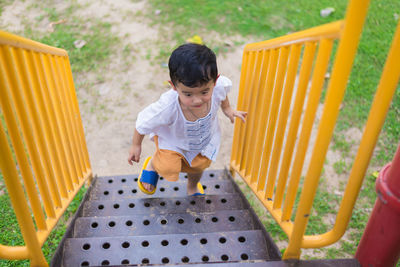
(136, 148)
(230, 112)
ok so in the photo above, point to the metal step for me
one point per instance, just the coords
(130, 179)
(167, 249)
(111, 191)
(122, 207)
(154, 224)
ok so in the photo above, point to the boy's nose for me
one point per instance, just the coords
(197, 100)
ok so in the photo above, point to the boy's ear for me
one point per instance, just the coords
(172, 85)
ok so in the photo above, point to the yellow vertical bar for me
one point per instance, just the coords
(61, 172)
(256, 105)
(273, 114)
(26, 79)
(240, 104)
(256, 153)
(355, 17)
(70, 107)
(14, 99)
(21, 208)
(254, 87)
(283, 118)
(55, 89)
(246, 100)
(297, 109)
(262, 118)
(321, 66)
(66, 118)
(77, 114)
(241, 97)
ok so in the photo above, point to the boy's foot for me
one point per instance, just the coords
(193, 184)
(148, 187)
(148, 178)
(198, 192)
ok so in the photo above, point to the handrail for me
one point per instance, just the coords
(8, 39)
(327, 31)
(42, 120)
(269, 150)
(264, 99)
(380, 106)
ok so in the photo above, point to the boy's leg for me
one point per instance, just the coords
(166, 163)
(193, 179)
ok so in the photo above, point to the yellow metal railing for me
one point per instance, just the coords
(269, 150)
(42, 121)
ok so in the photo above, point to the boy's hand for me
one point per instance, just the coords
(134, 154)
(231, 114)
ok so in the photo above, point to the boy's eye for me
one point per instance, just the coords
(187, 94)
(204, 92)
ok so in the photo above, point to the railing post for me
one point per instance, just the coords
(380, 243)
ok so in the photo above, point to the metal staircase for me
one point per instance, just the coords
(119, 225)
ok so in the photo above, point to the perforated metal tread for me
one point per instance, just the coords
(213, 175)
(111, 191)
(123, 207)
(154, 224)
(166, 249)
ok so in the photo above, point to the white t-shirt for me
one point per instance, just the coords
(165, 119)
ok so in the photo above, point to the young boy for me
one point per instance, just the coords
(183, 123)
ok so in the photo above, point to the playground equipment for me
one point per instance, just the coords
(43, 134)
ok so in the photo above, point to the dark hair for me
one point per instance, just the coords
(192, 65)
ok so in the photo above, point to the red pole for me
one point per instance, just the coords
(380, 243)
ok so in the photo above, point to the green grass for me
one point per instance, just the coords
(100, 41)
(340, 167)
(9, 230)
(10, 234)
(3, 3)
(340, 144)
(98, 48)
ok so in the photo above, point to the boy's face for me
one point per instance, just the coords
(194, 97)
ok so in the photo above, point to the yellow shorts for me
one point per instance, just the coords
(169, 164)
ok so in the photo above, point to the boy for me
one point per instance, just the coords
(183, 123)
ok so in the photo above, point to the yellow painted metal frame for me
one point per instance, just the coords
(43, 123)
(269, 150)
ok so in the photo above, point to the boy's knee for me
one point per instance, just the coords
(167, 165)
